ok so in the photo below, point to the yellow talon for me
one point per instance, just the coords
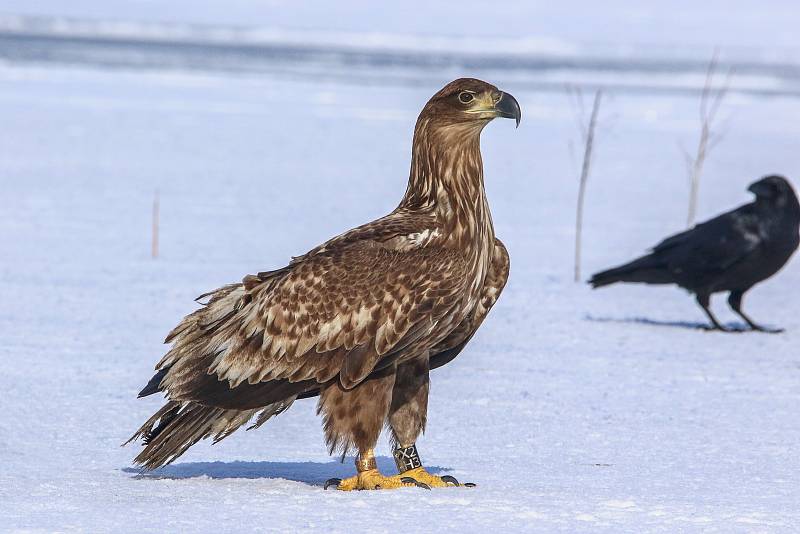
(420, 475)
(372, 479)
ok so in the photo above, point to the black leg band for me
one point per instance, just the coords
(407, 458)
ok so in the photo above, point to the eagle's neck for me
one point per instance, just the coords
(447, 179)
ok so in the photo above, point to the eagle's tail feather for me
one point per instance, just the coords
(177, 426)
(154, 385)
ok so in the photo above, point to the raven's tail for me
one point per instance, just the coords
(647, 269)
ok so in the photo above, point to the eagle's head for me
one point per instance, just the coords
(446, 164)
(469, 103)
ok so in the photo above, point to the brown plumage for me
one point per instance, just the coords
(359, 320)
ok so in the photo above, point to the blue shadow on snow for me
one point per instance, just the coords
(692, 325)
(312, 473)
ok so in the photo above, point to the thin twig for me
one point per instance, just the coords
(578, 109)
(585, 169)
(687, 160)
(710, 102)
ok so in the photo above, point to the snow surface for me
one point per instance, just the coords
(589, 411)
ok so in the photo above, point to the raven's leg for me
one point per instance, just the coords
(735, 301)
(354, 418)
(407, 416)
(703, 300)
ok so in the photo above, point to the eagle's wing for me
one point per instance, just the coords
(341, 309)
(497, 276)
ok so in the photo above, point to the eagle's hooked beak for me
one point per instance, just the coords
(508, 107)
(496, 104)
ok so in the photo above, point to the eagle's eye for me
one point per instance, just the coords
(465, 97)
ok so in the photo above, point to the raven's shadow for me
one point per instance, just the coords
(311, 473)
(692, 325)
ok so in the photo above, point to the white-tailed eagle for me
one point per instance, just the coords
(358, 321)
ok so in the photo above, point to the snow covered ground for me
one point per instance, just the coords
(596, 411)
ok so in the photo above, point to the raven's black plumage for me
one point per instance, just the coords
(731, 252)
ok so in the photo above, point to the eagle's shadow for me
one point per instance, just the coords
(690, 325)
(311, 473)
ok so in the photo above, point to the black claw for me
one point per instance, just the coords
(767, 330)
(409, 480)
(450, 480)
(469, 484)
(332, 482)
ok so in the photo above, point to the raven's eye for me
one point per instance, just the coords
(465, 97)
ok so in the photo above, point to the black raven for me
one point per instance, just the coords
(731, 252)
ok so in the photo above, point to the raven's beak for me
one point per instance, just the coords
(508, 107)
(761, 189)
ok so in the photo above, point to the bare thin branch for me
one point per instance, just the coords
(710, 102)
(687, 160)
(719, 96)
(575, 95)
(712, 67)
(713, 140)
(585, 170)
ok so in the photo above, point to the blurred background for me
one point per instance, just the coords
(262, 128)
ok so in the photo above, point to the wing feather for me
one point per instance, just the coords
(333, 312)
(496, 278)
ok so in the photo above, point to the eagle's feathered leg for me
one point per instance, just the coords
(353, 418)
(407, 416)
(409, 409)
